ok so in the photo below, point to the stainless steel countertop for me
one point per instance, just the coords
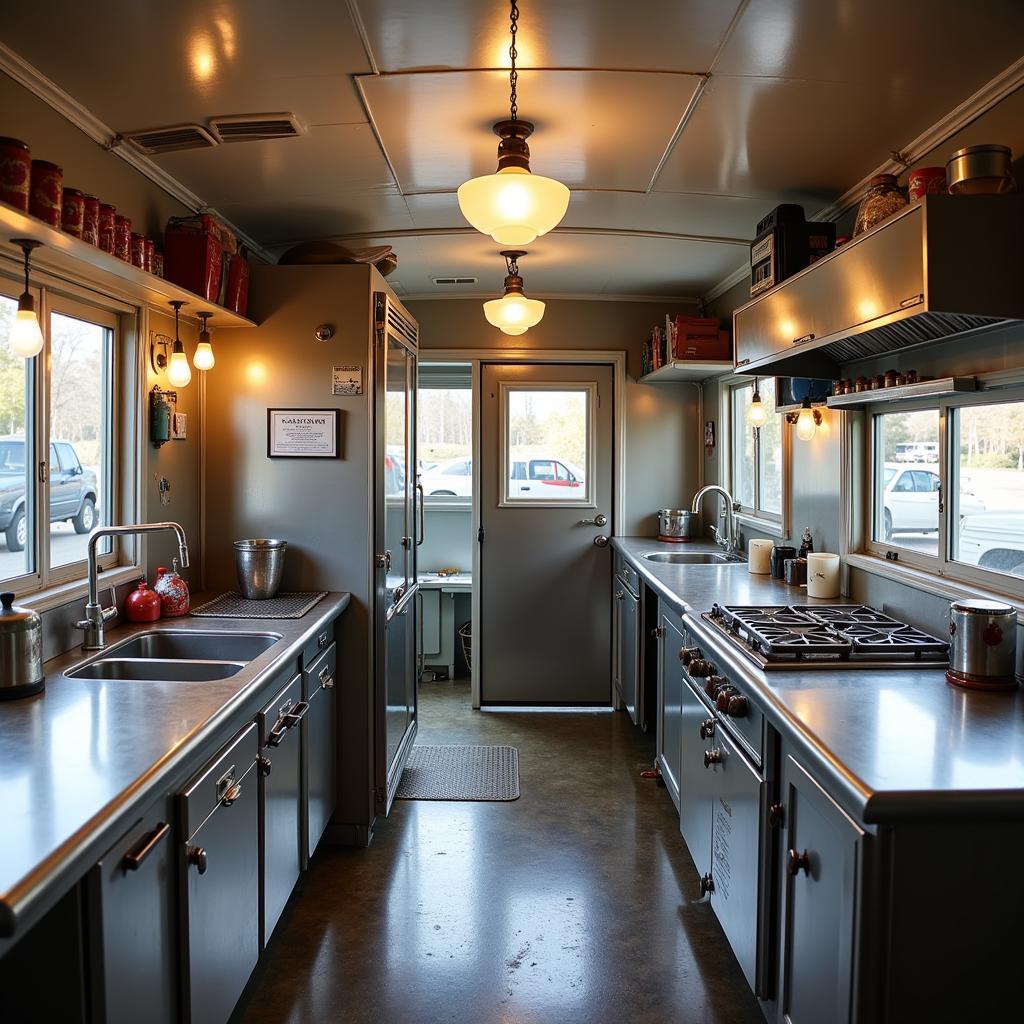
(889, 744)
(76, 760)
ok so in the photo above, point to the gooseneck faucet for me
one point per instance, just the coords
(96, 616)
(730, 541)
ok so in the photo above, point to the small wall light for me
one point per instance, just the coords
(179, 373)
(758, 413)
(26, 338)
(807, 420)
(203, 358)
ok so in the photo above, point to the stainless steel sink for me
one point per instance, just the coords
(158, 670)
(692, 557)
(184, 656)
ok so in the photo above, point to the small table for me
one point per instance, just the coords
(438, 623)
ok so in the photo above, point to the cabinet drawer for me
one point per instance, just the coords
(627, 574)
(320, 675)
(318, 643)
(207, 789)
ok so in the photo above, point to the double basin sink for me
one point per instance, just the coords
(692, 557)
(184, 656)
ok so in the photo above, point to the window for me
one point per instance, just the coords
(947, 489)
(444, 438)
(547, 443)
(756, 457)
(50, 504)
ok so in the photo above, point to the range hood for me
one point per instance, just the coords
(944, 266)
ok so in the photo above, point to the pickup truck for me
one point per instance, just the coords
(73, 490)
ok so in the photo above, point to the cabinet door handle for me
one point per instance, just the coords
(196, 856)
(296, 715)
(707, 730)
(321, 640)
(326, 679)
(712, 757)
(231, 794)
(265, 766)
(275, 735)
(799, 862)
(134, 857)
(804, 339)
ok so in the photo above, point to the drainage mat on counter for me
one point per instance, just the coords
(460, 773)
(285, 606)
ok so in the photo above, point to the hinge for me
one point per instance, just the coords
(480, 535)
(43, 474)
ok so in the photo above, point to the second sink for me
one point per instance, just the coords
(193, 646)
(691, 557)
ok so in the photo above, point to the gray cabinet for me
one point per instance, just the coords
(280, 778)
(670, 695)
(130, 913)
(820, 867)
(319, 749)
(221, 884)
(697, 728)
(627, 648)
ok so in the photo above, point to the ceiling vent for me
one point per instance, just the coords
(447, 281)
(166, 140)
(256, 127)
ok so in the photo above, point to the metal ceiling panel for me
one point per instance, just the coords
(653, 35)
(329, 158)
(435, 126)
(140, 65)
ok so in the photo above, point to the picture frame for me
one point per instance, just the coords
(303, 434)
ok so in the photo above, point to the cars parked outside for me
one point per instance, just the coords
(993, 540)
(74, 491)
(910, 499)
(533, 476)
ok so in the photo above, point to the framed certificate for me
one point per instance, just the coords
(302, 433)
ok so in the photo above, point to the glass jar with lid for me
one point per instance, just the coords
(882, 199)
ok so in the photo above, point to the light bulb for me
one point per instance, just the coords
(179, 373)
(514, 313)
(203, 358)
(805, 425)
(513, 206)
(758, 413)
(25, 338)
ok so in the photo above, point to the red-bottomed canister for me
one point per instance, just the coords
(72, 218)
(173, 591)
(46, 200)
(142, 604)
(91, 220)
(15, 173)
(108, 216)
(123, 238)
(147, 263)
(138, 251)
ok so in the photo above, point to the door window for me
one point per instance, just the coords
(547, 446)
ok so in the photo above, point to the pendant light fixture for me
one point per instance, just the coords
(179, 373)
(514, 313)
(203, 358)
(807, 420)
(513, 205)
(26, 337)
(758, 413)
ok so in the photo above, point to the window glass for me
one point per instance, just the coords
(906, 500)
(16, 460)
(987, 517)
(756, 455)
(445, 438)
(769, 443)
(549, 429)
(81, 433)
(742, 447)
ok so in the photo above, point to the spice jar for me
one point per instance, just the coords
(123, 238)
(138, 251)
(15, 173)
(837, 387)
(910, 377)
(847, 387)
(46, 200)
(926, 181)
(882, 199)
(108, 216)
(861, 384)
(72, 218)
(878, 382)
(890, 378)
(91, 220)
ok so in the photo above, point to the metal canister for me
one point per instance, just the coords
(123, 238)
(795, 571)
(980, 170)
(150, 249)
(72, 219)
(138, 251)
(675, 524)
(926, 181)
(108, 216)
(983, 645)
(91, 221)
(259, 562)
(21, 650)
(15, 173)
(46, 200)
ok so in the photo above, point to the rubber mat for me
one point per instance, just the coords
(460, 773)
(283, 606)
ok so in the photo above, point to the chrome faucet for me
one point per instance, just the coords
(96, 616)
(730, 542)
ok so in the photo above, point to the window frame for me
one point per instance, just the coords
(942, 569)
(775, 524)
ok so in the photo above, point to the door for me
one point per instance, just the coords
(627, 609)
(397, 529)
(670, 706)
(546, 504)
(698, 735)
(319, 742)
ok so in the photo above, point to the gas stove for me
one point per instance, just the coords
(826, 636)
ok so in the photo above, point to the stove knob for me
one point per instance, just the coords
(707, 884)
(713, 686)
(707, 728)
(700, 668)
(737, 706)
(688, 654)
(712, 757)
(724, 695)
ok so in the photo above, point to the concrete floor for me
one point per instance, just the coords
(574, 903)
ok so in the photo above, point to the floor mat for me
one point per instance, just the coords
(460, 773)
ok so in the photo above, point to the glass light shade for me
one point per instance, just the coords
(514, 313)
(203, 358)
(26, 338)
(758, 415)
(805, 425)
(513, 206)
(179, 373)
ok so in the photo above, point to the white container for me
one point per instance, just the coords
(759, 557)
(822, 574)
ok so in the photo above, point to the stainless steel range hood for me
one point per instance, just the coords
(942, 267)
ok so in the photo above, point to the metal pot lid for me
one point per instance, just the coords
(988, 147)
(674, 512)
(980, 606)
(14, 619)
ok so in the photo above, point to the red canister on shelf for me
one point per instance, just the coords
(138, 251)
(72, 218)
(123, 237)
(926, 181)
(148, 260)
(173, 591)
(91, 220)
(108, 217)
(15, 173)
(193, 254)
(46, 200)
(142, 604)
(158, 263)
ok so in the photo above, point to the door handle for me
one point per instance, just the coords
(599, 520)
(601, 541)
(133, 858)
(423, 515)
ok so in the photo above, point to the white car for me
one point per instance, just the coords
(911, 500)
(454, 478)
(532, 476)
(993, 540)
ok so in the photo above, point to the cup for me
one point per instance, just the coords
(781, 553)
(822, 574)
(796, 572)
(759, 556)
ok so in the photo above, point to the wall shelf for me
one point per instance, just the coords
(687, 369)
(79, 262)
(939, 388)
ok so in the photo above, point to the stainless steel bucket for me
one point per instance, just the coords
(983, 645)
(676, 524)
(259, 562)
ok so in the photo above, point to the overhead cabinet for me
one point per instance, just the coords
(924, 274)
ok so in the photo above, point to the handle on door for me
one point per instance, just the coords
(133, 859)
(423, 516)
(601, 541)
(599, 520)
(384, 561)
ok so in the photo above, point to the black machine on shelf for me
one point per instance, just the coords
(785, 243)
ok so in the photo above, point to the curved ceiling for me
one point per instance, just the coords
(676, 124)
